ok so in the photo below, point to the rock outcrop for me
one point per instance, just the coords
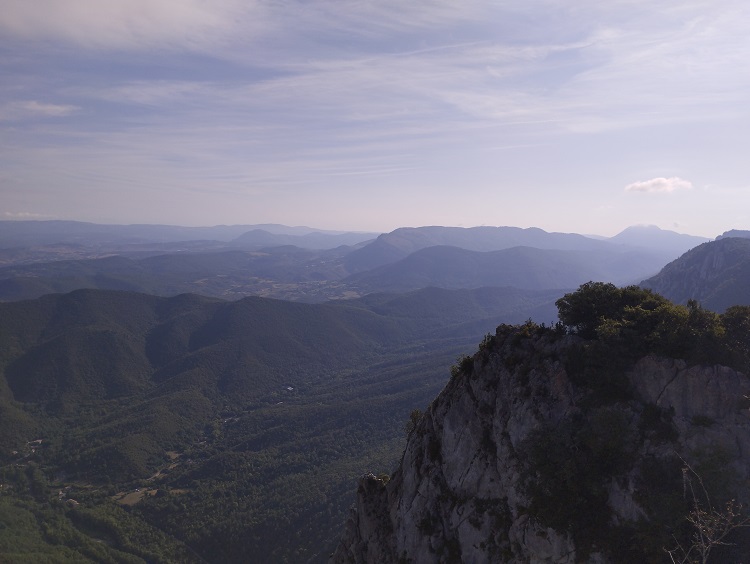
(518, 461)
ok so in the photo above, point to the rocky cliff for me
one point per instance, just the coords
(538, 450)
(716, 274)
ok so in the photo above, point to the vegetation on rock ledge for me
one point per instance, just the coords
(632, 322)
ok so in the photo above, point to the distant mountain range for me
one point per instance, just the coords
(650, 236)
(261, 238)
(523, 267)
(391, 247)
(27, 233)
(398, 244)
(307, 265)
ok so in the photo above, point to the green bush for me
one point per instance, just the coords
(631, 322)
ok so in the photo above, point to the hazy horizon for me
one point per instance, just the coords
(321, 229)
(365, 116)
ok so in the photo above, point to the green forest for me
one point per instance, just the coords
(170, 429)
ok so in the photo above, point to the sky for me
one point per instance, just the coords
(575, 116)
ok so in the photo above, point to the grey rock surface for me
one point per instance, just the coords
(460, 492)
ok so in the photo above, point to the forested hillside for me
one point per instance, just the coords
(182, 426)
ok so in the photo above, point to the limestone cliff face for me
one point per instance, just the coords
(470, 486)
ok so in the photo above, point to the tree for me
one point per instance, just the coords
(594, 302)
(583, 309)
(710, 526)
(736, 322)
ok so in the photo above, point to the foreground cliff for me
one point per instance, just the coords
(549, 447)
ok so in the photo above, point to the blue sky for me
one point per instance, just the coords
(582, 116)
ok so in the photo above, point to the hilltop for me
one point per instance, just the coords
(580, 442)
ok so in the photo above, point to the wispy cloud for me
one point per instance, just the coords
(257, 97)
(659, 185)
(614, 67)
(14, 111)
(223, 25)
(123, 24)
(25, 215)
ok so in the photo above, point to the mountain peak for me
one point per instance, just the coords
(642, 227)
(653, 236)
(741, 233)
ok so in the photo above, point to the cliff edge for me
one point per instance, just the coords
(548, 447)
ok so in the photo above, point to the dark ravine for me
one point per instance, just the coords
(517, 460)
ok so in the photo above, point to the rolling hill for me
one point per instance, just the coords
(523, 267)
(284, 272)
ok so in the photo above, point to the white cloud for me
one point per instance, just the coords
(660, 184)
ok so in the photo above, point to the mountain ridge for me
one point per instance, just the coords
(397, 244)
(275, 264)
(716, 274)
(648, 235)
(38, 232)
(529, 267)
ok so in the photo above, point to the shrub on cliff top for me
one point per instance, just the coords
(632, 322)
